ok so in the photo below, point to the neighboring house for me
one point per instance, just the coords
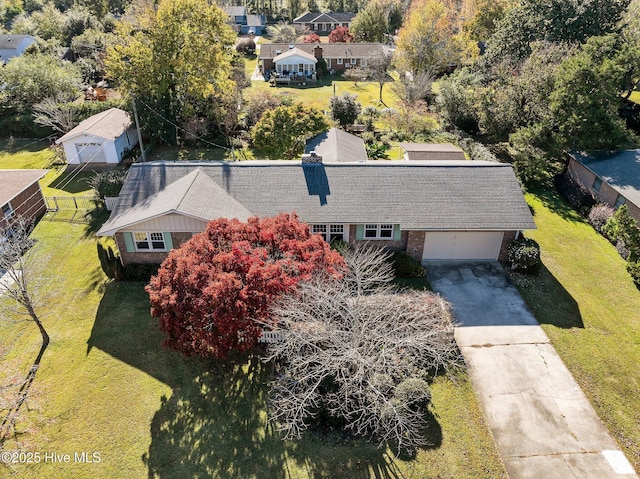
(432, 151)
(612, 177)
(14, 46)
(323, 22)
(336, 145)
(101, 138)
(438, 210)
(283, 57)
(244, 23)
(20, 194)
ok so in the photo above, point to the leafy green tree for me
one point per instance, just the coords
(281, 132)
(345, 108)
(457, 99)
(370, 24)
(29, 79)
(556, 21)
(175, 57)
(427, 39)
(586, 98)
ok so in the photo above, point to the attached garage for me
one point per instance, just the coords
(462, 245)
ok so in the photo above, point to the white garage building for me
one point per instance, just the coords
(101, 138)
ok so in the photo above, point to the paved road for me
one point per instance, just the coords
(542, 423)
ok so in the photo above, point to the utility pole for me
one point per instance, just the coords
(135, 115)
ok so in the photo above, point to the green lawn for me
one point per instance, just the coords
(107, 385)
(590, 309)
(62, 180)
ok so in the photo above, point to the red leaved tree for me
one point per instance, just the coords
(209, 292)
(340, 35)
(311, 38)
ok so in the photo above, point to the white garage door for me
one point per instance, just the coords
(90, 153)
(476, 245)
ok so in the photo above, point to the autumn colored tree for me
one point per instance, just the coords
(340, 35)
(281, 132)
(209, 293)
(175, 56)
(311, 38)
(428, 40)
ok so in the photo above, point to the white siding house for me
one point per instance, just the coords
(102, 138)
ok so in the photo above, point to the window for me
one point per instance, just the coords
(339, 61)
(7, 210)
(363, 62)
(330, 232)
(149, 241)
(353, 61)
(621, 200)
(378, 231)
(597, 183)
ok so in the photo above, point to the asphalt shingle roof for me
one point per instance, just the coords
(620, 169)
(337, 145)
(328, 17)
(8, 42)
(436, 196)
(14, 182)
(109, 124)
(329, 50)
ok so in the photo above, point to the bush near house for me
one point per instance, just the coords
(524, 255)
(405, 266)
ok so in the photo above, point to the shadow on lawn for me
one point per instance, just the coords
(215, 423)
(547, 299)
(557, 204)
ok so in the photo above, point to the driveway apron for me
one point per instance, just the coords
(541, 421)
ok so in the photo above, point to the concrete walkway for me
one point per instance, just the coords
(542, 423)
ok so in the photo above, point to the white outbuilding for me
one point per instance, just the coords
(101, 138)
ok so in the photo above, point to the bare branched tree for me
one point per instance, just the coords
(416, 89)
(16, 283)
(362, 352)
(56, 114)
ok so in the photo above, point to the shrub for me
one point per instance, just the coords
(405, 266)
(599, 216)
(110, 263)
(246, 46)
(577, 195)
(524, 255)
(413, 392)
(622, 249)
(634, 270)
(140, 271)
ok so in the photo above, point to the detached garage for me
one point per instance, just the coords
(101, 138)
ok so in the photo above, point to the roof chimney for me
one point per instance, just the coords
(311, 158)
(317, 52)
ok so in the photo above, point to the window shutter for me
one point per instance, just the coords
(168, 241)
(359, 232)
(128, 242)
(397, 234)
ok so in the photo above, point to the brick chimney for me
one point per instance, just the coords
(311, 158)
(317, 52)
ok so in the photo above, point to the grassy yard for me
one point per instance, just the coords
(107, 385)
(590, 309)
(62, 180)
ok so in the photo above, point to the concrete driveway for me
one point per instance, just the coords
(542, 423)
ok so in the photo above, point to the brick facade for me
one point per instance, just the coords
(415, 244)
(605, 194)
(29, 203)
(507, 238)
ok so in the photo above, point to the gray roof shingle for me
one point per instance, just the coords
(109, 124)
(620, 169)
(14, 182)
(436, 196)
(337, 145)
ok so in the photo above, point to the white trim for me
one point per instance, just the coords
(149, 240)
(324, 229)
(381, 231)
(9, 211)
